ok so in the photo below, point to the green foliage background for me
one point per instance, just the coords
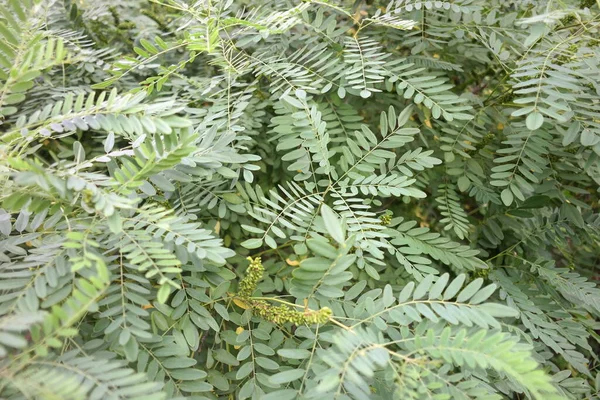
(234, 199)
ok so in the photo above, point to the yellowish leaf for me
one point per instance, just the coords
(240, 303)
(293, 263)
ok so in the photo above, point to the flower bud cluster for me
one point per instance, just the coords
(283, 314)
(254, 274)
(276, 314)
(385, 219)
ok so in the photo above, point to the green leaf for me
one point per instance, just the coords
(292, 101)
(244, 370)
(12, 340)
(534, 120)
(252, 243)
(298, 354)
(454, 287)
(287, 376)
(469, 290)
(498, 310)
(188, 374)
(507, 197)
(333, 224)
(163, 294)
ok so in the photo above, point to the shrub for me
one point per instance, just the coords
(299, 199)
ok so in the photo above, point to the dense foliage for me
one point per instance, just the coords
(318, 199)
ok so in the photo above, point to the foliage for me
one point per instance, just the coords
(311, 199)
